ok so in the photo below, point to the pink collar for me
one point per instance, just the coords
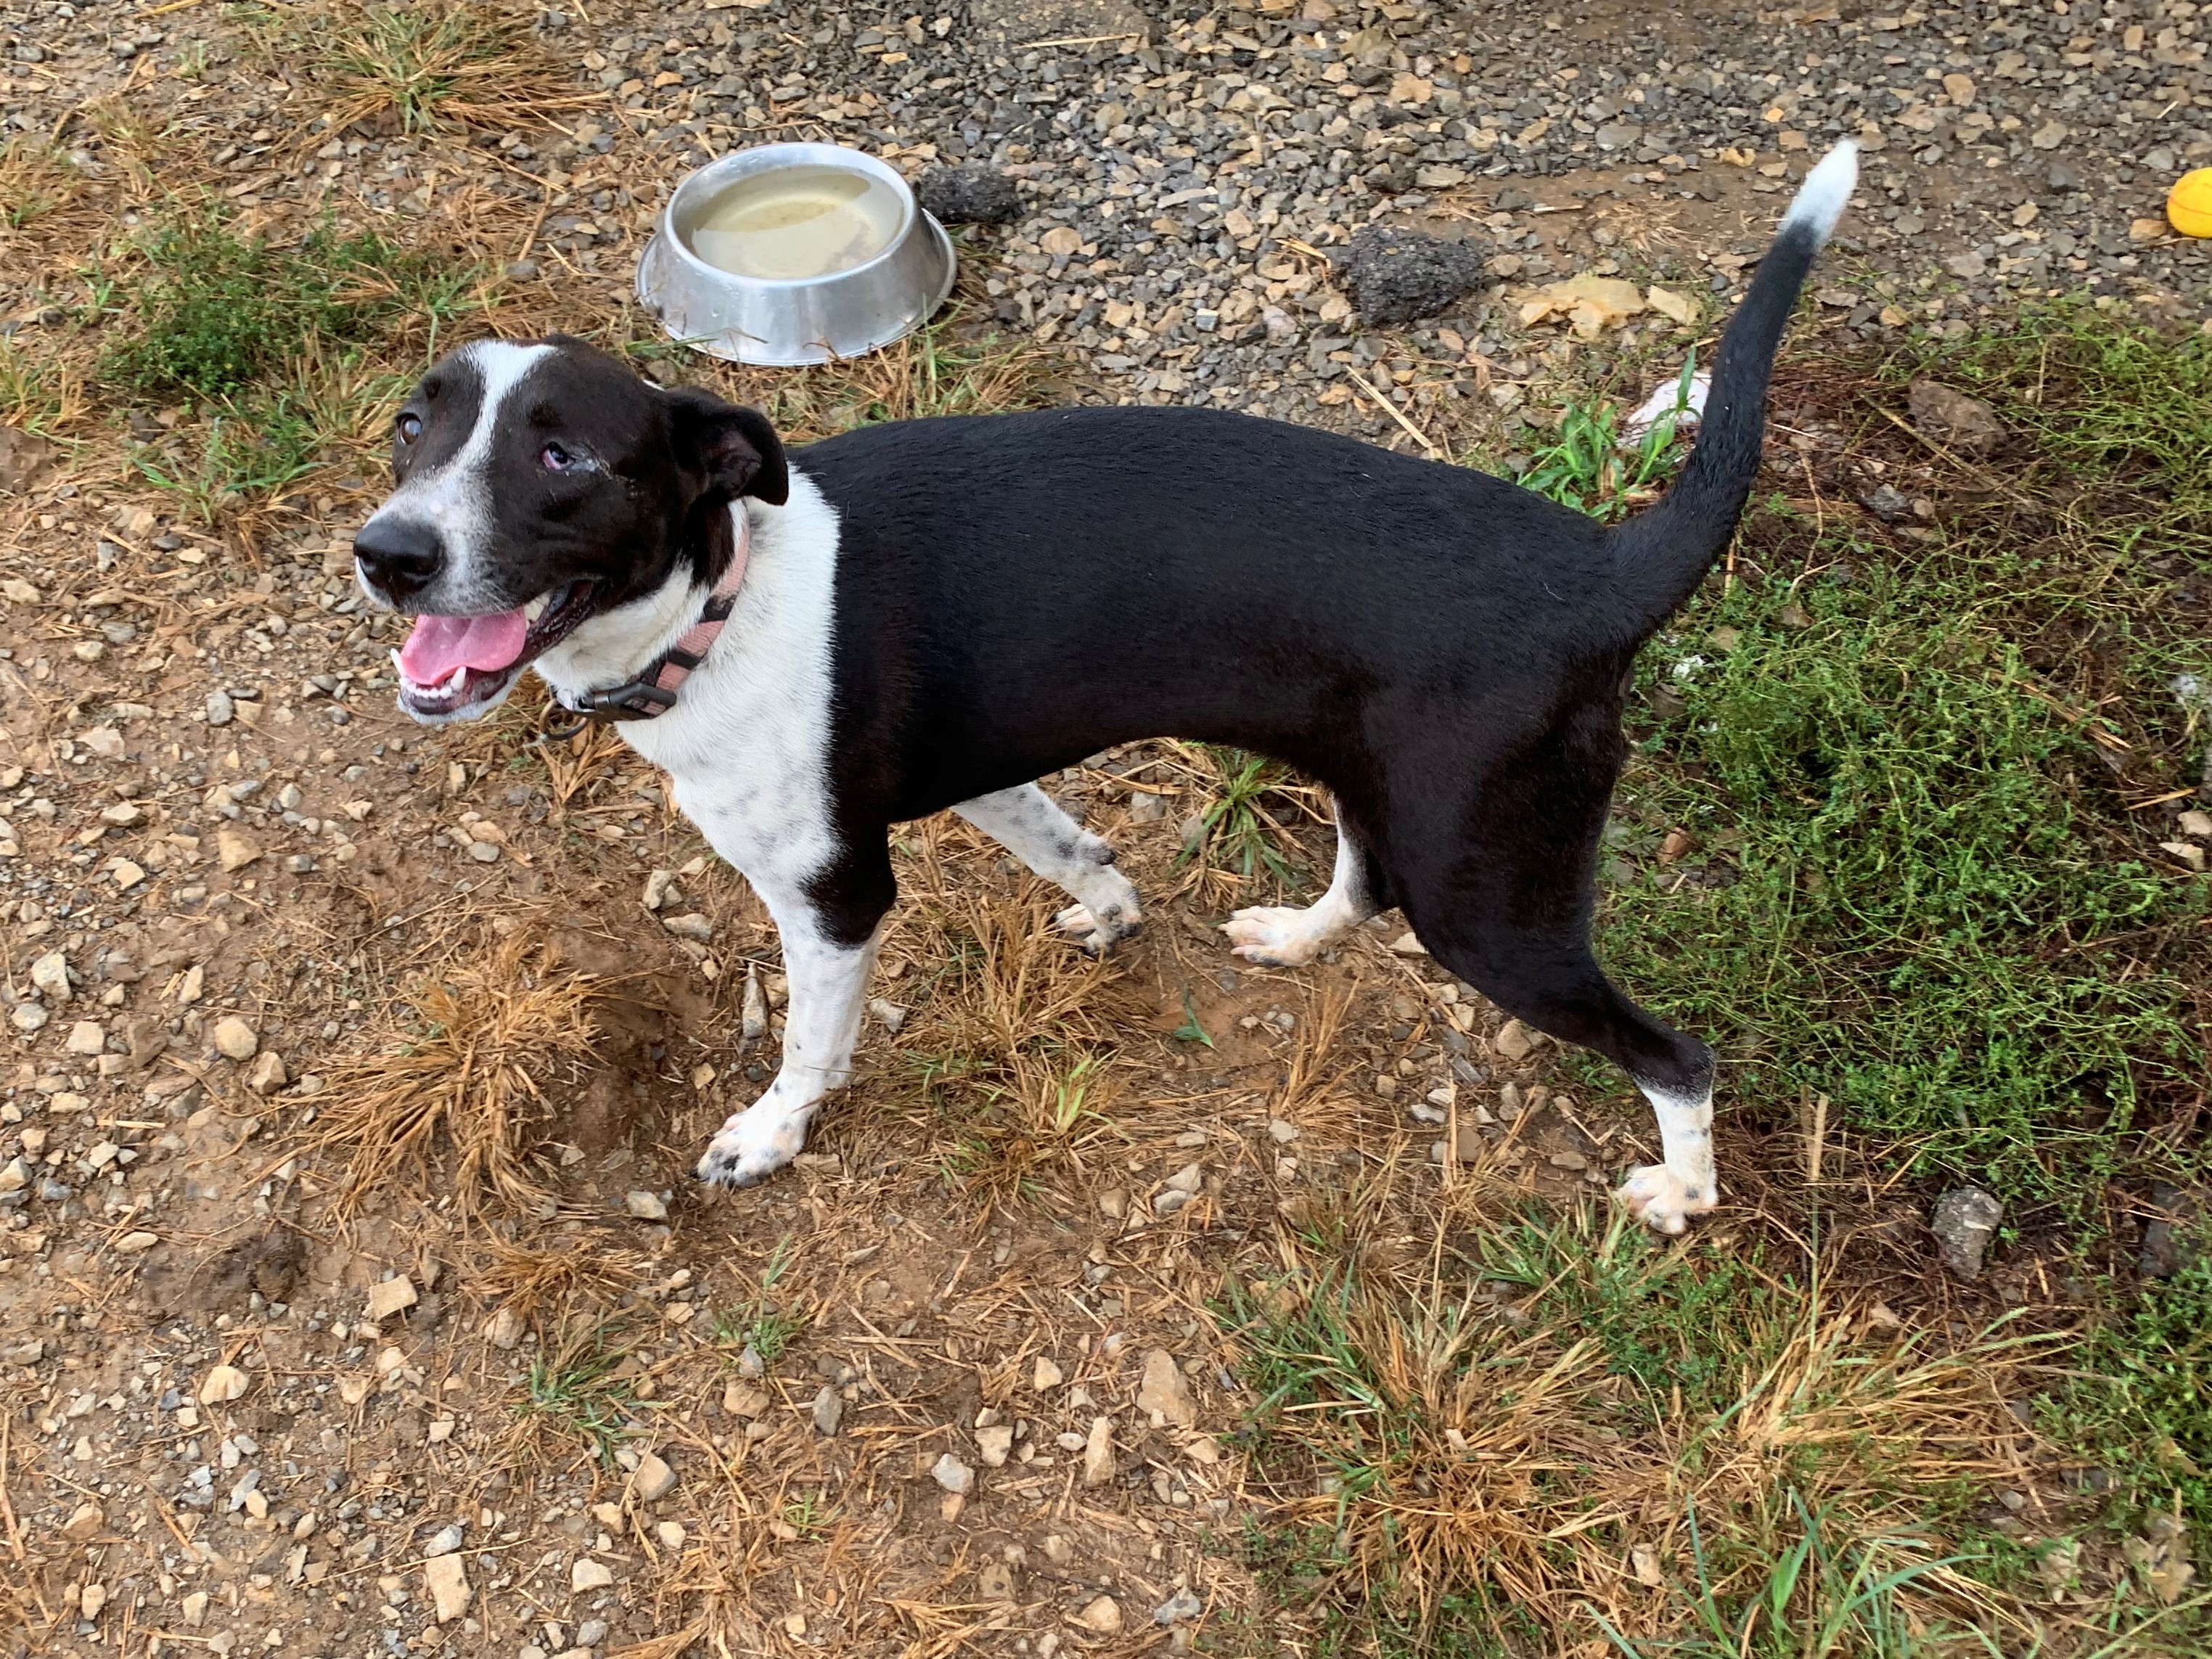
(653, 690)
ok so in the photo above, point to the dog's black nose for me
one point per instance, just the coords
(400, 558)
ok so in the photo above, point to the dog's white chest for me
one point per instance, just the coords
(746, 747)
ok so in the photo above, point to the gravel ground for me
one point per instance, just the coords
(1187, 177)
(1180, 176)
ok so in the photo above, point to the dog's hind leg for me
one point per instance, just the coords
(1498, 885)
(1029, 824)
(1547, 977)
(1281, 937)
(830, 928)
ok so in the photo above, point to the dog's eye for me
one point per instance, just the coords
(557, 459)
(409, 427)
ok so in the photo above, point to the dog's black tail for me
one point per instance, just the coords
(1663, 553)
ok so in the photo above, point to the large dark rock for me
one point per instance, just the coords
(969, 196)
(1394, 276)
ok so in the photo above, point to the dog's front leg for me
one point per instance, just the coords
(829, 983)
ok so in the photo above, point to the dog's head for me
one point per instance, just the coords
(541, 487)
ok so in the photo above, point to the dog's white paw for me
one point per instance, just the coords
(1098, 933)
(1663, 1200)
(755, 1143)
(1274, 936)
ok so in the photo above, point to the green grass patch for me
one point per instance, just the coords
(1918, 885)
(2114, 413)
(1903, 885)
(1242, 830)
(575, 1392)
(1815, 1595)
(1668, 1319)
(213, 314)
(272, 344)
(1587, 467)
(761, 1323)
(2137, 1402)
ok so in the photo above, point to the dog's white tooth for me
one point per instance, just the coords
(395, 668)
(535, 608)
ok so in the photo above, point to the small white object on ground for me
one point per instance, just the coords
(1661, 403)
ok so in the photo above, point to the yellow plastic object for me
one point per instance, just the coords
(2189, 204)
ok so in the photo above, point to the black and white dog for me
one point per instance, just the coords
(933, 614)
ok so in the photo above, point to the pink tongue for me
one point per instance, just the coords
(438, 645)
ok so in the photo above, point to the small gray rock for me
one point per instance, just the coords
(1394, 276)
(1886, 503)
(952, 1474)
(651, 1482)
(221, 710)
(444, 1541)
(1183, 1605)
(969, 196)
(2165, 1249)
(829, 1410)
(1966, 1221)
(23, 454)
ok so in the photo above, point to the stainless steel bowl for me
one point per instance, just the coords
(756, 319)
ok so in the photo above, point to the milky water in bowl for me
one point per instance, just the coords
(796, 222)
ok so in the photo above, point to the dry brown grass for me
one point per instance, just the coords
(1474, 1451)
(47, 398)
(1012, 1025)
(23, 1594)
(37, 181)
(463, 62)
(140, 144)
(468, 1058)
(1317, 1069)
(52, 215)
(530, 1278)
(960, 364)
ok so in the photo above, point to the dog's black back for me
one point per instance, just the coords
(1016, 591)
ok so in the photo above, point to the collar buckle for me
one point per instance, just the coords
(654, 691)
(637, 700)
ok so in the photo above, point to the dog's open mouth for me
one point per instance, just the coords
(453, 667)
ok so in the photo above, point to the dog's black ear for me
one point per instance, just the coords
(733, 448)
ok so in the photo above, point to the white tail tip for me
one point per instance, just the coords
(1826, 191)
